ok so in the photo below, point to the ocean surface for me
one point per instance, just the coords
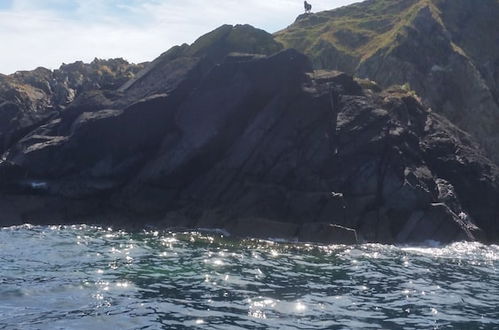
(83, 277)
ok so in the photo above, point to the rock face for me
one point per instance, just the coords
(445, 50)
(29, 99)
(257, 145)
(183, 63)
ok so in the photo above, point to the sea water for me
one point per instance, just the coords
(84, 277)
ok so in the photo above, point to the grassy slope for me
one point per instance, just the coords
(357, 31)
(238, 38)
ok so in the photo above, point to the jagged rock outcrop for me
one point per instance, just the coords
(257, 145)
(185, 63)
(29, 99)
(445, 50)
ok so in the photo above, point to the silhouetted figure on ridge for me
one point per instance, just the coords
(308, 7)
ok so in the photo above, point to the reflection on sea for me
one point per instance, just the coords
(83, 277)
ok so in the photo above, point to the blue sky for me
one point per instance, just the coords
(49, 32)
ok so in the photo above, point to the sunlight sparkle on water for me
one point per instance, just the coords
(300, 307)
(205, 280)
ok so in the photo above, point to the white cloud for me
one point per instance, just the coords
(59, 31)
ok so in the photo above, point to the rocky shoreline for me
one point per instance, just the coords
(257, 145)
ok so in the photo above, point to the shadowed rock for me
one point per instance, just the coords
(260, 146)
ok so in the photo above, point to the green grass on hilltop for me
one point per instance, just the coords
(238, 38)
(357, 31)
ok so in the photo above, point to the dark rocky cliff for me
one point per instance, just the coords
(445, 50)
(259, 145)
(29, 99)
